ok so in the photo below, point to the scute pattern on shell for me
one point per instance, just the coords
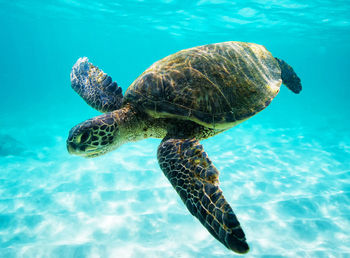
(214, 85)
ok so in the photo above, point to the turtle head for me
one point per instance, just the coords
(95, 136)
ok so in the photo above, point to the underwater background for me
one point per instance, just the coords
(285, 172)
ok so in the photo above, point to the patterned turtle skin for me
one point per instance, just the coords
(183, 98)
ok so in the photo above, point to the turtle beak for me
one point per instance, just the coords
(70, 148)
(84, 151)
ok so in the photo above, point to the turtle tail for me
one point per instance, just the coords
(289, 77)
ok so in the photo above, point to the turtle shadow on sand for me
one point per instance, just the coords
(191, 95)
(10, 146)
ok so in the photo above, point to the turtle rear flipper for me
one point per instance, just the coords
(289, 77)
(195, 179)
(95, 87)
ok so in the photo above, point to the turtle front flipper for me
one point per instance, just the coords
(95, 87)
(195, 179)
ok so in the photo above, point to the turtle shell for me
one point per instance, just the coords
(216, 85)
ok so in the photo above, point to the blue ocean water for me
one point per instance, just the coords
(285, 172)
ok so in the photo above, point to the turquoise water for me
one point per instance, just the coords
(286, 171)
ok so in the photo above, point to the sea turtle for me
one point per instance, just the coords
(188, 96)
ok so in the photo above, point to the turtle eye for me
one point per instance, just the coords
(84, 137)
